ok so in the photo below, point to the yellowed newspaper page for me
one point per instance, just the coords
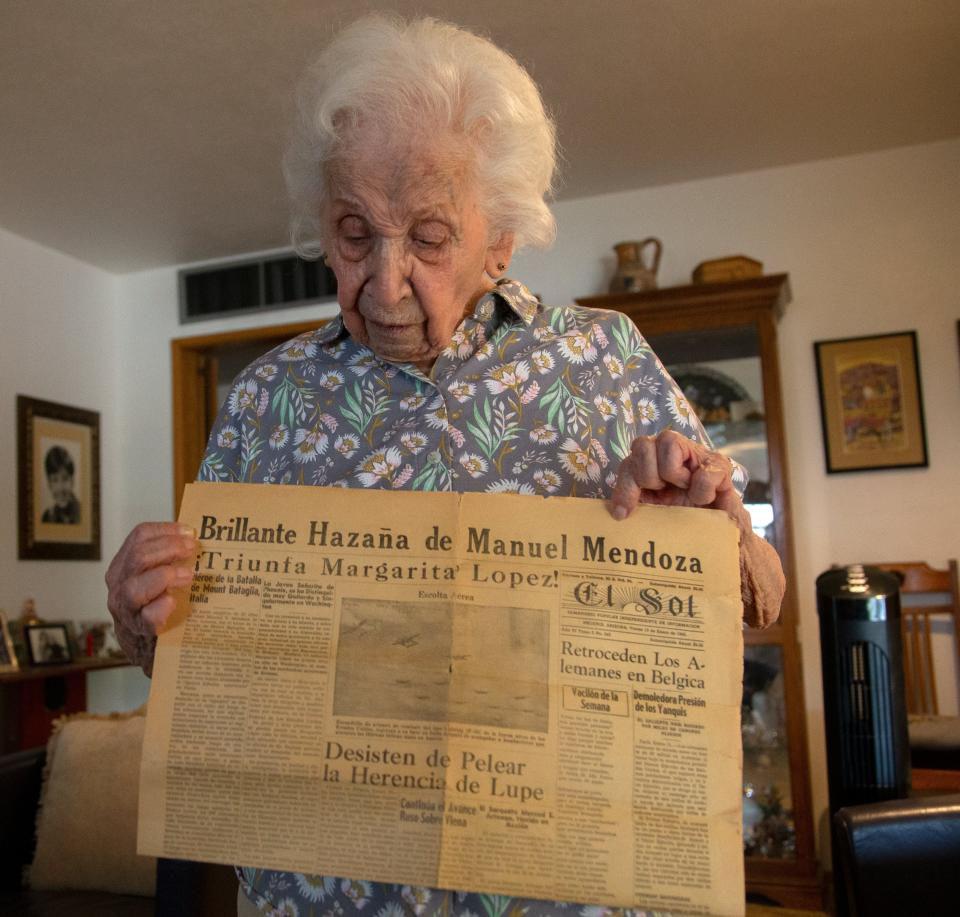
(499, 693)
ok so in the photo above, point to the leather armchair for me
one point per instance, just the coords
(899, 857)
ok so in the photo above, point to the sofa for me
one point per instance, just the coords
(167, 888)
(20, 781)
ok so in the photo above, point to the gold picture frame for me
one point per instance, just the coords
(58, 459)
(8, 653)
(871, 404)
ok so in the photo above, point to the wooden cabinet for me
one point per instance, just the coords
(719, 341)
(32, 697)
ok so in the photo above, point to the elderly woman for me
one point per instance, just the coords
(421, 163)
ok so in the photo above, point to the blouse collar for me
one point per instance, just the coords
(519, 300)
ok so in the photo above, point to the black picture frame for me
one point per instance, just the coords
(871, 402)
(58, 472)
(48, 644)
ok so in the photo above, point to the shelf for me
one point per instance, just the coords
(38, 672)
(771, 292)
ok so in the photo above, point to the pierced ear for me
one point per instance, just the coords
(499, 254)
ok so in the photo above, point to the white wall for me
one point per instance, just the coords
(148, 321)
(871, 245)
(57, 330)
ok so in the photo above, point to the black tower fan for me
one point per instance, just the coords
(868, 750)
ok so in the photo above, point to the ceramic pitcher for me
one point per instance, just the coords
(634, 271)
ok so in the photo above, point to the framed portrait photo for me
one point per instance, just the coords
(48, 644)
(58, 467)
(871, 405)
(8, 655)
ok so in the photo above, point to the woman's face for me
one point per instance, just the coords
(61, 486)
(408, 241)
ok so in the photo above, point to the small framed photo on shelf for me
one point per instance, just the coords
(58, 459)
(8, 655)
(871, 405)
(48, 644)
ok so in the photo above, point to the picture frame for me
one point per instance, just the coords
(48, 644)
(58, 470)
(8, 653)
(871, 402)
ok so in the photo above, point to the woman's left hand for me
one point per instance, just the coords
(670, 470)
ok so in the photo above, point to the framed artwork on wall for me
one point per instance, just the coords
(58, 470)
(871, 404)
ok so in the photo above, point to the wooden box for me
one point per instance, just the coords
(720, 270)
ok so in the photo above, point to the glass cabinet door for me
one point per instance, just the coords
(768, 824)
(719, 341)
(721, 373)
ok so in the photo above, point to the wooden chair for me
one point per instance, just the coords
(926, 596)
(929, 600)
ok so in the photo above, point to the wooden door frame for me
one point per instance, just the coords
(191, 370)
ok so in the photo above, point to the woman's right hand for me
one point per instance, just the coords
(152, 562)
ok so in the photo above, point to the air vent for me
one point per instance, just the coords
(253, 285)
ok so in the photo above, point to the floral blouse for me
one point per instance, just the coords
(525, 399)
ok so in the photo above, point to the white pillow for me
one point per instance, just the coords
(87, 823)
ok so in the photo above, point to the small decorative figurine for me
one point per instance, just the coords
(28, 613)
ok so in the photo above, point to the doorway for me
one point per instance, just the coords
(203, 368)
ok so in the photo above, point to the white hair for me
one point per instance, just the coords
(417, 78)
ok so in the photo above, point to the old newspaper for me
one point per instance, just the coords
(493, 693)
